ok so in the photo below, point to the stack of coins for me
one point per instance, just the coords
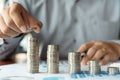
(94, 67)
(33, 54)
(74, 62)
(113, 70)
(53, 59)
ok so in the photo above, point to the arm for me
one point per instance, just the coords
(9, 47)
(102, 51)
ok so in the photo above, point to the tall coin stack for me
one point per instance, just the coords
(53, 59)
(33, 54)
(94, 67)
(74, 62)
(113, 70)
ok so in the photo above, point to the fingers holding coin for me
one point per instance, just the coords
(99, 51)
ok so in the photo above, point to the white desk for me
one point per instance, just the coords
(20, 70)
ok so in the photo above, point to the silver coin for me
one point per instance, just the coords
(74, 62)
(94, 63)
(113, 70)
(33, 55)
(74, 69)
(94, 67)
(53, 59)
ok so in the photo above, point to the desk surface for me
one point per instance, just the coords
(16, 71)
(5, 62)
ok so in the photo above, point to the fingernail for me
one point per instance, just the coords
(23, 28)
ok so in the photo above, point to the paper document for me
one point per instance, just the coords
(19, 72)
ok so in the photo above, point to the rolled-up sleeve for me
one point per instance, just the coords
(9, 47)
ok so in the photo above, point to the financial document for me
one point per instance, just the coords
(20, 72)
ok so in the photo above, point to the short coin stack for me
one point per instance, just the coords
(113, 70)
(33, 54)
(94, 67)
(53, 59)
(74, 62)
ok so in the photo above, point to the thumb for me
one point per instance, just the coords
(31, 22)
(35, 24)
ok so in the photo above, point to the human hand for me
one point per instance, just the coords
(100, 51)
(15, 20)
